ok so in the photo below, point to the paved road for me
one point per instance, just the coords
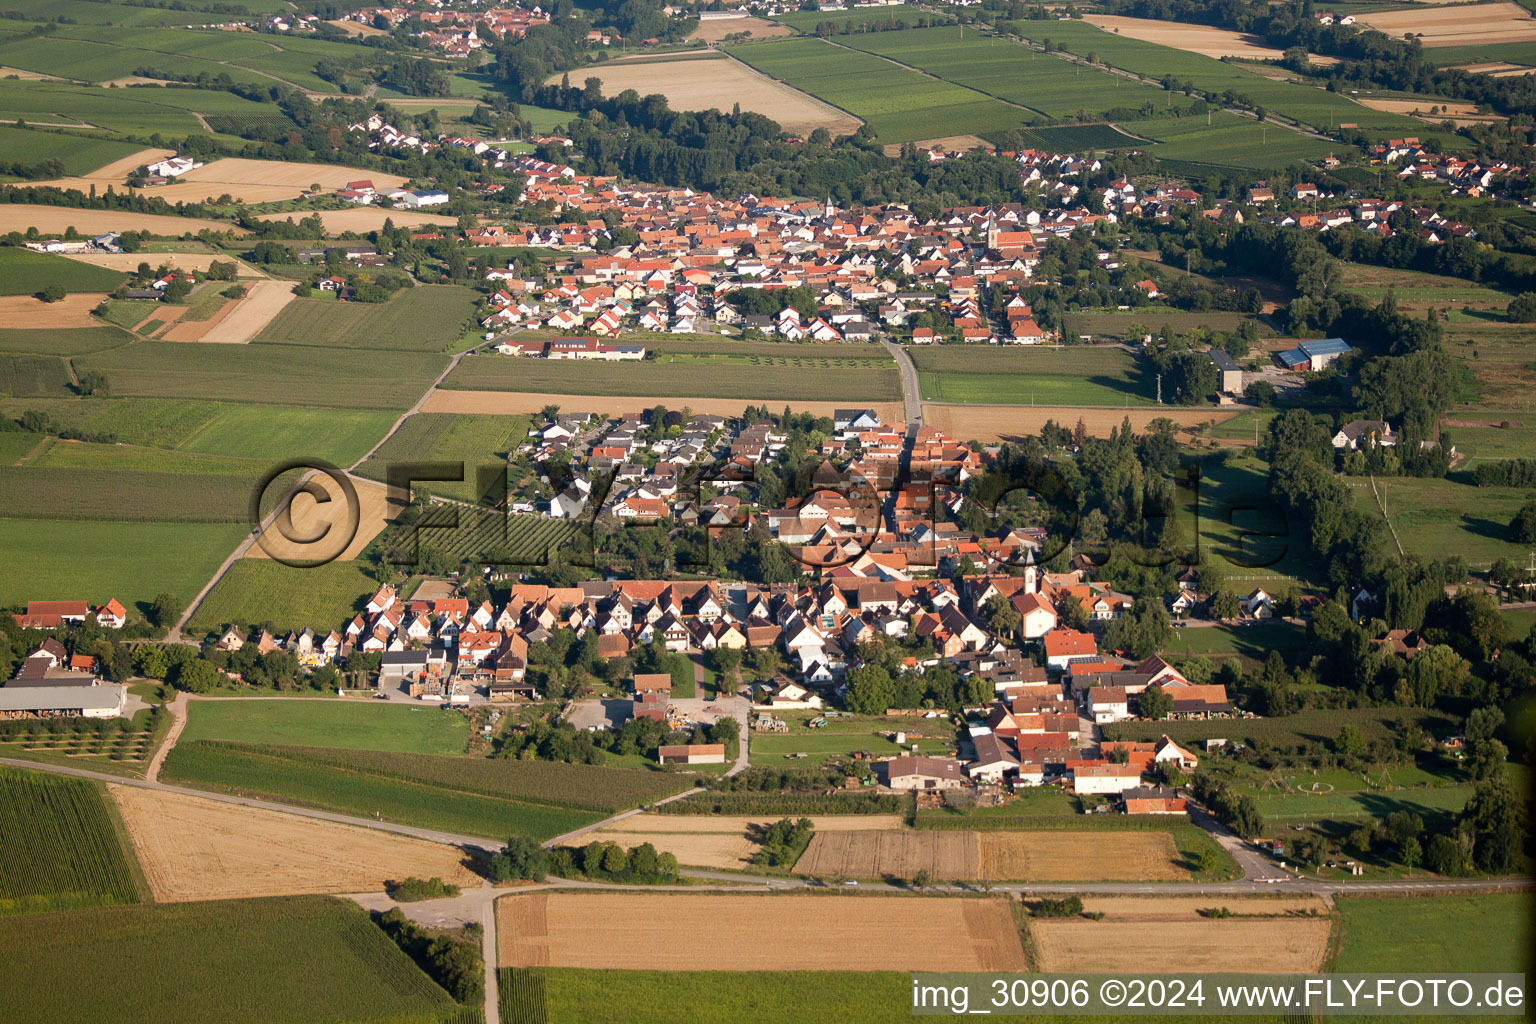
(911, 397)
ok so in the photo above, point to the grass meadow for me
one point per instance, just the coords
(61, 341)
(288, 960)
(139, 111)
(471, 440)
(78, 153)
(287, 775)
(1028, 375)
(427, 318)
(57, 560)
(259, 591)
(27, 376)
(343, 725)
(1435, 517)
(1481, 932)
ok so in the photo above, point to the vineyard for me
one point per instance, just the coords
(126, 741)
(230, 124)
(62, 847)
(51, 492)
(591, 787)
(481, 535)
(294, 775)
(26, 376)
(286, 960)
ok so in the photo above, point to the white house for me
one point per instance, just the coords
(1105, 778)
(173, 166)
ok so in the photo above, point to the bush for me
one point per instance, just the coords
(412, 889)
(1069, 906)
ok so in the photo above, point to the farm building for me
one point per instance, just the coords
(924, 773)
(1154, 800)
(1314, 355)
(692, 753)
(1229, 376)
(1105, 778)
(62, 701)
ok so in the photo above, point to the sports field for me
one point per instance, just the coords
(300, 960)
(714, 81)
(786, 374)
(359, 725)
(197, 849)
(1030, 375)
(641, 932)
(900, 104)
(427, 318)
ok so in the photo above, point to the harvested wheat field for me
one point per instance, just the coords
(720, 83)
(250, 181)
(309, 517)
(357, 28)
(1203, 39)
(24, 312)
(364, 218)
(119, 169)
(723, 841)
(946, 856)
(197, 330)
(1067, 856)
(263, 301)
(757, 28)
(520, 403)
(129, 261)
(947, 143)
(54, 220)
(995, 422)
(678, 932)
(1464, 25)
(1280, 942)
(727, 850)
(197, 849)
(739, 823)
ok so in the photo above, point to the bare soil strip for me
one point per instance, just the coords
(195, 849)
(669, 931)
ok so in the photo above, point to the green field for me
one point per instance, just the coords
(259, 591)
(1029, 375)
(845, 735)
(160, 422)
(137, 111)
(1435, 517)
(275, 433)
(24, 272)
(474, 441)
(805, 375)
(427, 318)
(1224, 139)
(1053, 87)
(265, 374)
(1251, 644)
(55, 560)
(1412, 287)
(77, 153)
(14, 444)
(806, 21)
(290, 775)
(62, 845)
(486, 535)
(900, 104)
(1101, 325)
(1456, 932)
(352, 725)
(1490, 444)
(1242, 533)
(94, 12)
(62, 341)
(1485, 53)
(41, 376)
(1077, 138)
(1291, 730)
(123, 495)
(291, 960)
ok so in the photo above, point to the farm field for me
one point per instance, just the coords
(1416, 291)
(1264, 936)
(197, 849)
(296, 775)
(1250, 644)
(123, 495)
(76, 153)
(714, 81)
(473, 441)
(269, 374)
(1480, 437)
(277, 432)
(257, 590)
(1225, 139)
(1060, 855)
(638, 932)
(63, 328)
(715, 31)
(426, 318)
(1498, 356)
(1048, 85)
(53, 220)
(1453, 932)
(58, 560)
(1470, 55)
(263, 301)
(244, 180)
(41, 376)
(1102, 325)
(722, 841)
(1432, 516)
(769, 378)
(1205, 40)
(134, 112)
(345, 725)
(484, 534)
(1029, 375)
(1001, 422)
(24, 272)
(1241, 532)
(364, 219)
(1291, 730)
(900, 104)
(63, 847)
(307, 959)
(574, 996)
(308, 516)
(1461, 25)
(806, 21)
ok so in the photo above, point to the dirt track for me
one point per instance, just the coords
(195, 849)
(672, 931)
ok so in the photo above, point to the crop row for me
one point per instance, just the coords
(61, 845)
